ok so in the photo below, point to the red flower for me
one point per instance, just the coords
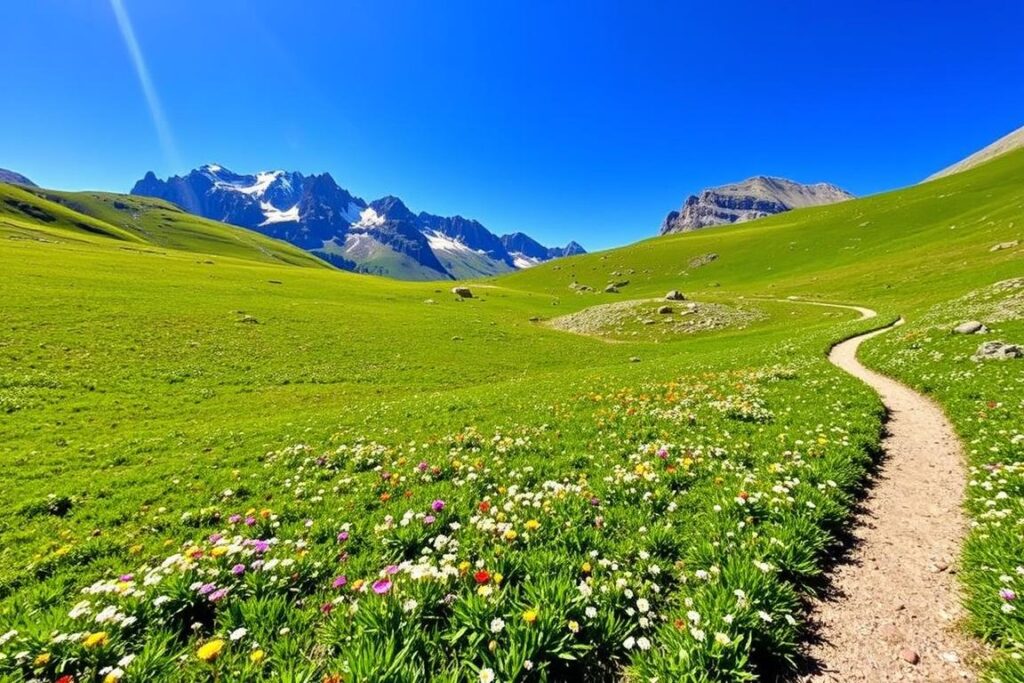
(66, 678)
(485, 506)
(482, 576)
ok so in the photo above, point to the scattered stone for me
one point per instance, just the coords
(634, 359)
(648, 321)
(430, 301)
(534, 318)
(248, 320)
(910, 656)
(462, 292)
(665, 310)
(950, 657)
(703, 260)
(611, 289)
(456, 338)
(938, 567)
(997, 350)
(1005, 245)
(619, 283)
(675, 295)
(274, 282)
(970, 327)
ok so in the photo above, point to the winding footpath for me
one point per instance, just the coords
(892, 608)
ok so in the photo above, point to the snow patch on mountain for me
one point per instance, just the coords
(441, 242)
(276, 215)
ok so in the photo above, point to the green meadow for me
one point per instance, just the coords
(225, 460)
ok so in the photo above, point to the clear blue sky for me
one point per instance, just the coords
(586, 121)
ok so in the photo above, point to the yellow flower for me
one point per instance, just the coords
(574, 626)
(211, 650)
(219, 550)
(511, 535)
(98, 639)
(496, 577)
(586, 568)
(257, 656)
(464, 567)
(42, 659)
(530, 616)
(110, 678)
(532, 525)
(135, 549)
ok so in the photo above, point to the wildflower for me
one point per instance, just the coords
(381, 586)
(257, 656)
(642, 605)
(482, 576)
(532, 525)
(511, 535)
(486, 675)
(218, 595)
(238, 569)
(722, 638)
(114, 675)
(530, 616)
(643, 643)
(66, 678)
(574, 626)
(41, 660)
(211, 650)
(484, 506)
(429, 519)
(409, 605)
(342, 536)
(437, 505)
(497, 625)
(98, 639)
(238, 634)
(629, 642)
(339, 581)
(1007, 594)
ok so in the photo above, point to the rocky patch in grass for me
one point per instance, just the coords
(647, 318)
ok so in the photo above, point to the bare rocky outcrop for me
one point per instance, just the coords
(1005, 144)
(745, 201)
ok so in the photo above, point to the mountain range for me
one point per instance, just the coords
(14, 178)
(1007, 143)
(383, 236)
(753, 198)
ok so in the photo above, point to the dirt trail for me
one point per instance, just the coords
(891, 610)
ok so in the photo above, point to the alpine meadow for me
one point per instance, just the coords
(255, 428)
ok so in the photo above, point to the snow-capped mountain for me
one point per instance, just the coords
(383, 236)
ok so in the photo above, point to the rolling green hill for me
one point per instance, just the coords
(383, 481)
(49, 214)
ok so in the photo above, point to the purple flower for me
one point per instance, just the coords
(429, 519)
(595, 501)
(238, 569)
(206, 588)
(250, 521)
(126, 577)
(342, 537)
(422, 467)
(261, 546)
(382, 586)
(215, 537)
(339, 581)
(235, 519)
(1007, 594)
(662, 453)
(437, 505)
(391, 569)
(218, 594)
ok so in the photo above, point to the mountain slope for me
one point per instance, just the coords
(87, 216)
(382, 237)
(14, 178)
(744, 201)
(1007, 143)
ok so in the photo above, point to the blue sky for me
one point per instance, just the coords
(584, 121)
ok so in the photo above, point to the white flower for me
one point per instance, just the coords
(409, 605)
(591, 612)
(693, 616)
(528, 665)
(125, 661)
(486, 675)
(642, 605)
(764, 616)
(629, 643)
(497, 625)
(698, 634)
(238, 634)
(643, 643)
(722, 639)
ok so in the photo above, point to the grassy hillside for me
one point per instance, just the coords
(280, 473)
(48, 214)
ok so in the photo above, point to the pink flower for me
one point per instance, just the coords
(382, 586)
(422, 467)
(235, 519)
(429, 519)
(218, 595)
(1007, 594)
(342, 537)
(391, 569)
(238, 569)
(437, 505)
(339, 581)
